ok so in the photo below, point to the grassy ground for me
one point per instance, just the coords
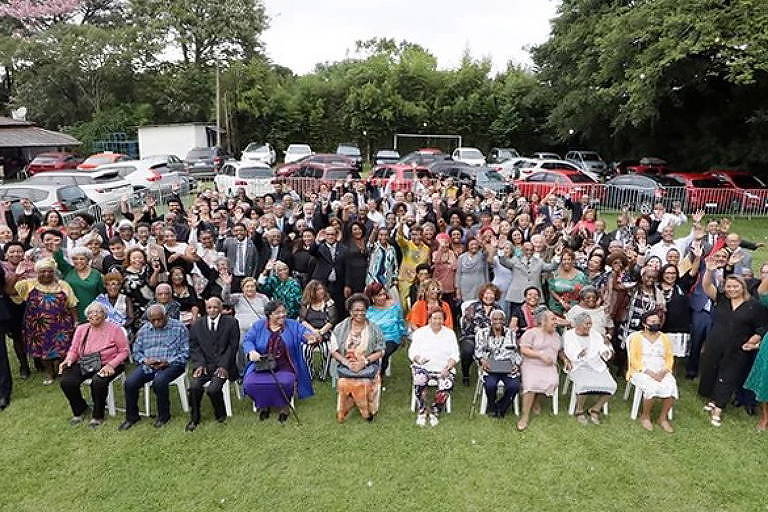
(463, 464)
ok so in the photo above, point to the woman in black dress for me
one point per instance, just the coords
(184, 294)
(303, 261)
(355, 259)
(677, 322)
(738, 325)
(318, 313)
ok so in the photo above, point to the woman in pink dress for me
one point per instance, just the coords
(539, 347)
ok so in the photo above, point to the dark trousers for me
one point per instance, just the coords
(467, 355)
(723, 371)
(70, 384)
(389, 349)
(701, 322)
(214, 393)
(160, 379)
(6, 382)
(511, 387)
(336, 291)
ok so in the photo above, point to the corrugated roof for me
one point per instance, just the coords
(26, 136)
(7, 121)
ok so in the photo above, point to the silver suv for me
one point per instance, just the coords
(588, 161)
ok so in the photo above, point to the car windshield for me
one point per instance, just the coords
(580, 178)
(747, 181)
(256, 148)
(494, 176)
(99, 160)
(32, 194)
(471, 153)
(255, 172)
(348, 150)
(339, 174)
(200, 153)
(300, 150)
(590, 156)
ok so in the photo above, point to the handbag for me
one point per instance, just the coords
(500, 366)
(369, 372)
(267, 363)
(89, 363)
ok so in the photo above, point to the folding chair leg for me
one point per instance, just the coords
(566, 384)
(555, 402)
(636, 403)
(626, 390)
(572, 403)
(147, 398)
(181, 385)
(516, 404)
(227, 398)
(111, 399)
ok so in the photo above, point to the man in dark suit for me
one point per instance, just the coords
(329, 267)
(282, 220)
(107, 228)
(270, 246)
(600, 237)
(213, 344)
(241, 253)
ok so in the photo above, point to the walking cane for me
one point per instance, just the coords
(285, 397)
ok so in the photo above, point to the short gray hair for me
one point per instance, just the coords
(540, 312)
(581, 319)
(95, 305)
(81, 251)
(156, 307)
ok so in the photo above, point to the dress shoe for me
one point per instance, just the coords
(370, 418)
(282, 417)
(127, 424)
(191, 426)
(263, 414)
(222, 419)
(160, 423)
(4, 402)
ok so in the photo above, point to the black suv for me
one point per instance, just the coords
(205, 161)
(351, 150)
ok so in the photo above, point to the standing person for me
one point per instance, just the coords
(383, 267)
(539, 347)
(429, 298)
(471, 272)
(241, 252)
(97, 336)
(738, 328)
(277, 283)
(282, 339)
(434, 353)
(329, 267)
(650, 369)
(565, 284)
(444, 265)
(50, 316)
(415, 252)
(477, 315)
(85, 281)
(526, 273)
(355, 259)
(16, 267)
(388, 315)
(160, 351)
(498, 343)
(6, 380)
(213, 343)
(119, 309)
(318, 313)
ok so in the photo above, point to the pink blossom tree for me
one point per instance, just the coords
(32, 10)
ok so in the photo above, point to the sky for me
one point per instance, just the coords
(305, 32)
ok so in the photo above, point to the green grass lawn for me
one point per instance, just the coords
(463, 464)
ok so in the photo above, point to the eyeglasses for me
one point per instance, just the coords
(357, 311)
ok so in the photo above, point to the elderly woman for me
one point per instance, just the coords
(434, 353)
(119, 309)
(318, 313)
(471, 271)
(589, 304)
(476, 316)
(140, 280)
(539, 347)
(388, 315)
(96, 337)
(587, 350)
(248, 305)
(281, 339)
(277, 283)
(429, 299)
(650, 369)
(164, 297)
(93, 241)
(85, 281)
(496, 349)
(358, 346)
(50, 316)
(16, 268)
(444, 266)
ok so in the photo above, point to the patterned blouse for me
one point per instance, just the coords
(498, 348)
(288, 292)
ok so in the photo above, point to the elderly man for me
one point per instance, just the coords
(740, 258)
(160, 351)
(270, 246)
(213, 343)
(669, 242)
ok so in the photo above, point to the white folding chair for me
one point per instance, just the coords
(111, 406)
(638, 397)
(181, 384)
(225, 390)
(572, 403)
(433, 384)
(480, 388)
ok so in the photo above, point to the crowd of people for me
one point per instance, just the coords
(282, 292)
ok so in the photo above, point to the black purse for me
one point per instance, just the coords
(503, 366)
(267, 363)
(89, 363)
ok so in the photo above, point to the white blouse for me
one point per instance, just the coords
(436, 347)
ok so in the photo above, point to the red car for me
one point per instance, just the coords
(98, 159)
(705, 191)
(754, 191)
(401, 176)
(319, 158)
(560, 181)
(646, 165)
(54, 161)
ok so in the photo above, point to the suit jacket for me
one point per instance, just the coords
(283, 224)
(264, 249)
(603, 240)
(324, 263)
(214, 349)
(101, 229)
(524, 275)
(229, 247)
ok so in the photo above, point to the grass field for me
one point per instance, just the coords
(463, 464)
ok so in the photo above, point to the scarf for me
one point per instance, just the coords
(530, 320)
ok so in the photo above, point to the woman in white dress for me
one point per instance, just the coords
(589, 304)
(587, 351)
(650, 369)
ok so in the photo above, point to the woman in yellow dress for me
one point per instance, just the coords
(415, 252)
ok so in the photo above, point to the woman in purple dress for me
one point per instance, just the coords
(283, 338)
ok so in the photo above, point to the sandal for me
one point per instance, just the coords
(710, 406)
(594, 416)
(581, 417)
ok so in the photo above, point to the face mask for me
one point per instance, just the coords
(654, 327)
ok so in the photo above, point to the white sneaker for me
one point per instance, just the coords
(433, 421)
(421, 420)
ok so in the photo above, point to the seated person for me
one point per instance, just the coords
(496, 349)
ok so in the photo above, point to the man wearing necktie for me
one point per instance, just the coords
(213, 345)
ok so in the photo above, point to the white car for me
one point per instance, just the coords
(297, 152)
(511, 168)
(264, 153)
(255, 177)
(471, 156)
(532, 166)
(150, 175)
(102, 186)
(541, 155)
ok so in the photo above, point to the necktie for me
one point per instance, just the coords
(213, 326)
(110, 232)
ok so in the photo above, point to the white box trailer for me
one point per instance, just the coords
(175, 139)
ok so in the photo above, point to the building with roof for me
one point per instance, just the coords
(21, 141)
